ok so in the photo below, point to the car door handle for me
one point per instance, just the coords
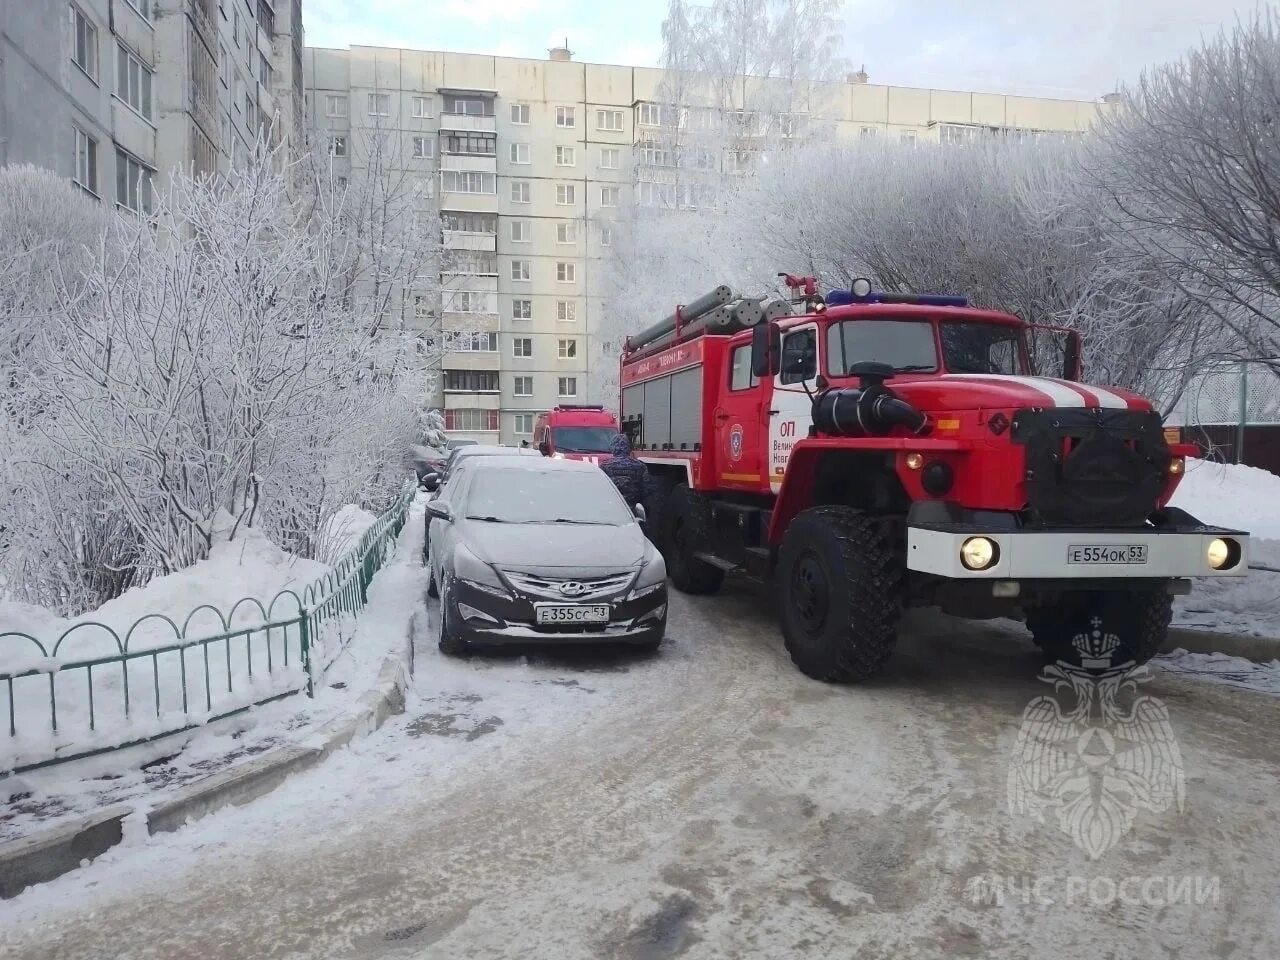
(774, 413)
(722, 416)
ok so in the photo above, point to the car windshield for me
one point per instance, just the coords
(908, 346)
(582, 439)
(517, 495)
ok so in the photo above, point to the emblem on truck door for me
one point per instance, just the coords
(735, 442)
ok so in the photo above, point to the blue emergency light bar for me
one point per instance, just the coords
(861, 292)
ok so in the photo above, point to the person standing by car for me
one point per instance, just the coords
(628, 474)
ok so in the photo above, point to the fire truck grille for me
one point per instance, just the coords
(1092, 468)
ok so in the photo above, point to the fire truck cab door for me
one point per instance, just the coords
(739, 425)
(791, 412)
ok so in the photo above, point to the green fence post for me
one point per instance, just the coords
(304, 638)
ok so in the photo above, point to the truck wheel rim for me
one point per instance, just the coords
(810, 591)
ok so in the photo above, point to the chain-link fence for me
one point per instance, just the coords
(1229, 403)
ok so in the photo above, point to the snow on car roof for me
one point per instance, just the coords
(522, 462)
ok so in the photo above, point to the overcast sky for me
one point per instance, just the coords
(1052, 48)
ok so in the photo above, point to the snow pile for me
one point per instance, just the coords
(1248, 499)
(1220, 668)
(344, 530)
(234, 587)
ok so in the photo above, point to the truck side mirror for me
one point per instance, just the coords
(766, 349)
(1071, 365)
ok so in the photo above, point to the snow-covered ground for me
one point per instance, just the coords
(1245, 498)
(41, 798)
(233, 587)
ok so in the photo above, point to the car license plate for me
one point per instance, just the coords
(1107, 553)
(585, 613)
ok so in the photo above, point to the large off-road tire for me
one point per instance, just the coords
(655, 508)
(1139, 618)
(840, 585)
(451, 641)
(686, 527)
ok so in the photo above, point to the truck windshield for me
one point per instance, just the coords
(582, 439)
(908, 346)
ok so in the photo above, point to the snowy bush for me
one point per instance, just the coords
(233, 361)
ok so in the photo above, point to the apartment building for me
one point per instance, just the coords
(530, 160)
(115, 93)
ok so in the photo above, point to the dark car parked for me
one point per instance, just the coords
(542, 551)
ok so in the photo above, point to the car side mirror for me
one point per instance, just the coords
(766, 348)
(440, 511)
(1072, 368)
(544, 448)
(640, 513)
(430, 482)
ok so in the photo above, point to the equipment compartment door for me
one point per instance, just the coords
(738, 425)
(791, 411)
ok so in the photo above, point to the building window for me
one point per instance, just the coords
(522, 347)
(133, 183)
(471, 144)
(468, 181)
(264, 71)
(84, 46)
(337, 146)
(908, 136)
(609, 120)
(567, 386)
(650, 115)
(519, 231)
(471, 381)
(460, 222)
(467, 419)
(474, 342)
(471, 262)
(250, 114)
(523, 387)
(565, 194)
(424, 148)
(608, 196)
(566, 349)
(143, 7)
(468, 106)
(236, 28)
(520, 191)
(565, 157)
(519, 270)
(133, 81)
(86, 161)
(422, 108)
(565, 117)
(521, 309)
(606, 235)
(520, 113)
(655, 156)
(469, 301)
(422, 307)
(566, 272)
(523, 422)
(335, 105)
(566, 311)
(567, 232)
(610, 158)
(519, 153)
(866, 133)
(379, 104)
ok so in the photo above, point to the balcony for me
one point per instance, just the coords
(202, 15)
(483, 162)
(460, 240)
(469, 123)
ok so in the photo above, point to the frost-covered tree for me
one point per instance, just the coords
(1192, 162)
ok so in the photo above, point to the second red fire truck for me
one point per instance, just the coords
(866, 452)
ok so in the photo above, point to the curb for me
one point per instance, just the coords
(1257, 649)
(44, 856)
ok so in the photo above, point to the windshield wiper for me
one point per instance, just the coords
(487, 519)
(589, 523)
(915, 368)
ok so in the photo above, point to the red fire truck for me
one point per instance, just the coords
(576, 431)
(865, 452)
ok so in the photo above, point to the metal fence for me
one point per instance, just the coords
(1227, 398)
(177, 677)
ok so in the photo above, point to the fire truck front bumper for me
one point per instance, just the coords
(945, 541)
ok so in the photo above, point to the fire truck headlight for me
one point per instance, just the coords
(1222, 553)
(915, 461)
(979, 553)
(937, 478)
(1176, 466)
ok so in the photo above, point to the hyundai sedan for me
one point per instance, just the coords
(527, 551)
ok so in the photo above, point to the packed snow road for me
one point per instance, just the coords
(706, 802)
